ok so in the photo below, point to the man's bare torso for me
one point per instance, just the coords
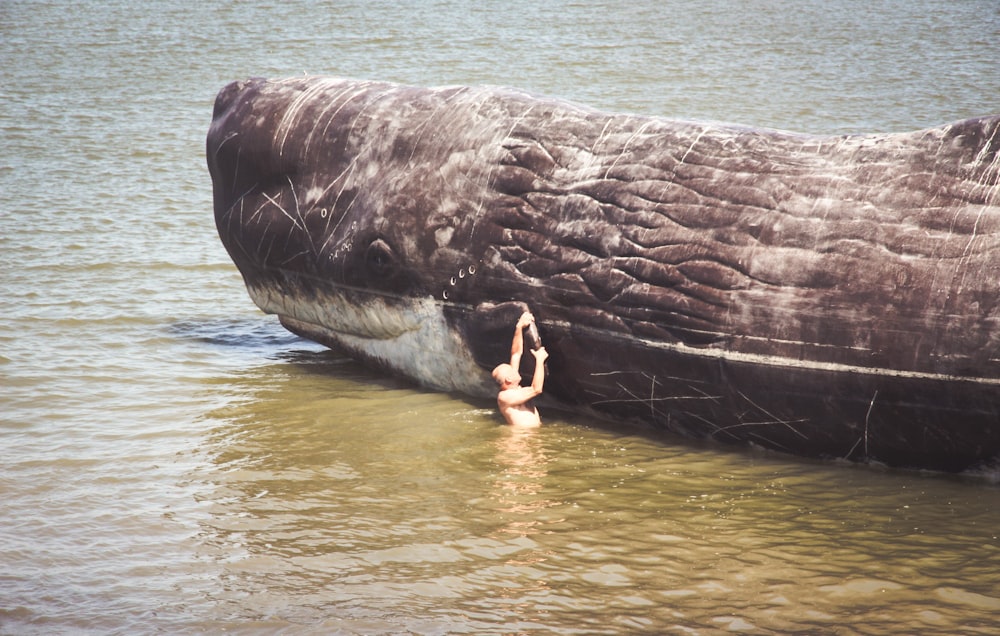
(518, 414)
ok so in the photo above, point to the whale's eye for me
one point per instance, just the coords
(379, 258)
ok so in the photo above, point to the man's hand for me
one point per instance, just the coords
(541, 355)
(525, 320)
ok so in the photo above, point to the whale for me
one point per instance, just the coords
(823, 296)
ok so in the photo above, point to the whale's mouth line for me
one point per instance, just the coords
(345, 310)
(351, 333)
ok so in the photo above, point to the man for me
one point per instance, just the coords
(514, 400)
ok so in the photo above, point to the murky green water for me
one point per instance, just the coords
(171, 461)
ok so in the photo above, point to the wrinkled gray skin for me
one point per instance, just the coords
(823, 296)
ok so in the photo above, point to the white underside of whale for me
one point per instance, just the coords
(411, 337)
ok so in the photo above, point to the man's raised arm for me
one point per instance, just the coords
(538, 379)
(517, 344)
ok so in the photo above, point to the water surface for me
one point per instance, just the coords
(172, 461)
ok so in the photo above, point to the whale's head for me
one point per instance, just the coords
(366, 236)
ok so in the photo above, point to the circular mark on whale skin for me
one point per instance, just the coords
(472, 270)
(380, 259)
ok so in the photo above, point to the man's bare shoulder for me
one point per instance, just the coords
(513, 397)
(516, 397)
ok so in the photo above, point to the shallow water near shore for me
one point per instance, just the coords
(173, 461)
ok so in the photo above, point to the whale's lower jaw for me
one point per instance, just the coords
(408, 337)
(432, 357)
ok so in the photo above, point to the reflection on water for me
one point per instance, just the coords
(520, 502)
(521, 470)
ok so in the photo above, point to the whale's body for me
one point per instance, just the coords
(822, 296)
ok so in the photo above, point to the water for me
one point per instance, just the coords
(172, 461)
